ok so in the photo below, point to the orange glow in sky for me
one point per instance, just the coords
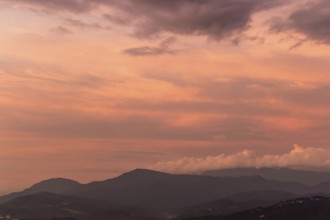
(90, 89)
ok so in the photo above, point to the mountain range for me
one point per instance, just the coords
(147, 194)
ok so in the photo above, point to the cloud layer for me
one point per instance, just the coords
(297, 157)
(212, 18)
(312, 20)
(163, 48)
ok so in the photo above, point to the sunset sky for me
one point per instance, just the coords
(93, 88)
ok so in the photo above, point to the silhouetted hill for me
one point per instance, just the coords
(145, 188)
(159, 190)
(280, 174)
(314, 208)
(162, 193)
(134, 178)
(55, 185)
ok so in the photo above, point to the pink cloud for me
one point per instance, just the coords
(297, 157)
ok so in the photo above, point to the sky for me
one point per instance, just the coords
(90, 89)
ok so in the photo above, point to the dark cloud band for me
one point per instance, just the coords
(312, 20)
(216, 19)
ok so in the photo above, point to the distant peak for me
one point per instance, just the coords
(55, 185)
(141, 171)
(145, 170)
(58, 180)
(141, 175)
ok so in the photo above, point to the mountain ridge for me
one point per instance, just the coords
(307, 177)
(163, 193)
(145, 187)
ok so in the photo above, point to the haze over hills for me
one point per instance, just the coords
(151, 194)
(280, 174)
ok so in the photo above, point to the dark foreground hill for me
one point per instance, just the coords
(53, 206)
(235, 203)
(45, 205)
(314, 208)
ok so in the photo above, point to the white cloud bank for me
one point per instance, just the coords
(298, 157)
